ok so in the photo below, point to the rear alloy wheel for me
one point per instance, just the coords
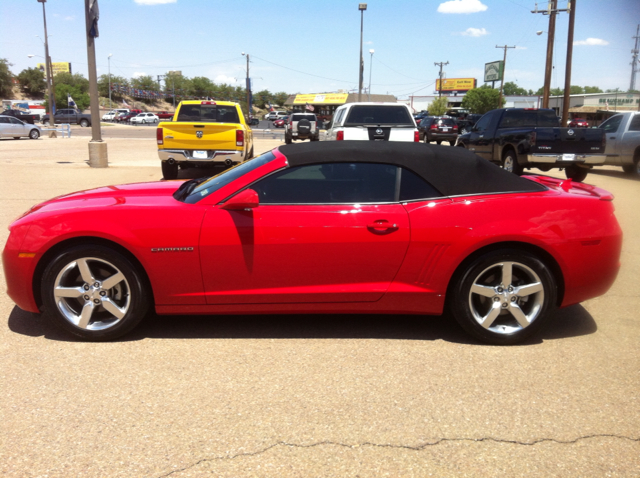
(504, 296)
(34, 134)
(169, 171)
(84, 123)
(94, 292)
(576, 173)
(144, 122)
(510, 162)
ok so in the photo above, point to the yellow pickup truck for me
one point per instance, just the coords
(203, 133)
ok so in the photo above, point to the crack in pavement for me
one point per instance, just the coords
(405, 447)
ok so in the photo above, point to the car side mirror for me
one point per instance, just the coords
(247, 199)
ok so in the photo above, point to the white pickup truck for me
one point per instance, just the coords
(373, 122)
(622, 132)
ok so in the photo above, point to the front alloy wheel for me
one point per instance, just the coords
(504, 297)
(94, 292)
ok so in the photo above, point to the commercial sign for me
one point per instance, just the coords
(61, 67)
(322, 99)
(493, 71)
(456, 84)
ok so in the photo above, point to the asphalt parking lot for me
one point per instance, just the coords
(307, 396)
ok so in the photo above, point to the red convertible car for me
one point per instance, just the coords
(321, 227)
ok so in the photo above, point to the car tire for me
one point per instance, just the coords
(576, 173)
(503, 296)
(169, 171)
(144, 122)
(250, 153)
(287, 139)
(510, 162)
(84, 123)
(438, 142)
(632, 169)
(34, 134)
(94, 292)
(155, 121)
(46, 123)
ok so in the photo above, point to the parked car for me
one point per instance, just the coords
(26, 117)
(373, 122)
(164, 115)
(279, 123)
(274, 115)
(466, 123)
(69, 116)
(11, 127)
(519, 138)
(125, 117)
(317, 228)
(301, 126)
(143, 118)
(111, 115)
(438, 129)
(578, 123)
(623, 141)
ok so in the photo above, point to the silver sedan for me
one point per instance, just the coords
(11, 127)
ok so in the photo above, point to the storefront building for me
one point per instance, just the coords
(325, 104)
(596, 107)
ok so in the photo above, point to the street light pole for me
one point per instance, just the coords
(362, 7)
(109, 61)
(372, 51)
(47, 60)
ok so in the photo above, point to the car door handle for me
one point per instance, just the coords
(382, 225)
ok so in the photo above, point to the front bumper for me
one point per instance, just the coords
(213, 156)
(560, 159)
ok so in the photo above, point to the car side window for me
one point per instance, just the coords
(635, 123)
(612, 124)
(330, 183)
(413, 187)
(4, 119)
(482, 124)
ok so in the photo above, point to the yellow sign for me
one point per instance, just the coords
(456, 84)
(61, 67)
(321, 99)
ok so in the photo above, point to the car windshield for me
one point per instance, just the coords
(377, 114)
(209, 114)
(218, 181)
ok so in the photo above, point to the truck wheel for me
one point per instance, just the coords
(169, 171)
(250, 153)
(287, 139)
(84, 123)
(576, 173)
(34, 134)
(634, 168)
(510, 162)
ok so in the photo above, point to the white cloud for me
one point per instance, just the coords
(69, 18)
(521, 47)
(591, 41)
(462, 6)
(224, 79)
(154, 2)
(475, 32)
(138, 74)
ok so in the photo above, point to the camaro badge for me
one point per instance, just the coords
(199, 134)
(172, 249)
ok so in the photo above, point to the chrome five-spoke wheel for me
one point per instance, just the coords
(94, 292)
(503, 296)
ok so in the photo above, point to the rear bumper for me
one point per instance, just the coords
(213, 156)
(560, 159)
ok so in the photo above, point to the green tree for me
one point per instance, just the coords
(6, 77)
(202, 86)
(262, 98)
(438, 107)
(614, 90)
(32, 81)
(103, 85)
(480, 100)
(512, 89)
(280, 98)
(552, 91)
(575, 90)
(75, 80)
(62, 93)
(592, 89)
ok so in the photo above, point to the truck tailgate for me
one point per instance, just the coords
(568, 140)
(194, 136)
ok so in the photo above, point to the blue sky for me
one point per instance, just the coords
(313, 46)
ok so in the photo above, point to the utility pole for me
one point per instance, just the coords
(248, 90)
(47, 62)
(362, 7)
(109, 61)
(441, 64)
(504, 67)
(552, 10)
(634, 61)
(571, 6)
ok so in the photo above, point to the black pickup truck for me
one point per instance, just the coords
(519, 138)
(27, 118)
(70, 116)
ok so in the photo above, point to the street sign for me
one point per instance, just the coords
(493, 71)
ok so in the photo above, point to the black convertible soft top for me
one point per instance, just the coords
(452, 171)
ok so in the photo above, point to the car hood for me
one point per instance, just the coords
(158, 193)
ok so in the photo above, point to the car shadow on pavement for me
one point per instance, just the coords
(573, 321)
